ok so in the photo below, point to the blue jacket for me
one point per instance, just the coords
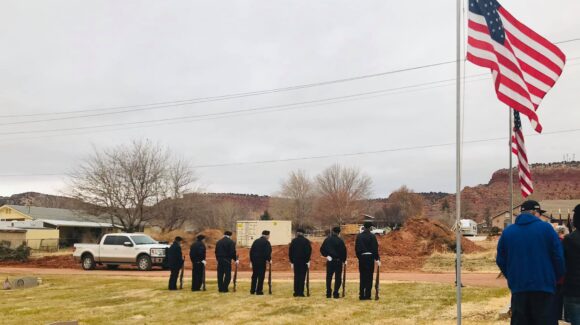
(530, 255)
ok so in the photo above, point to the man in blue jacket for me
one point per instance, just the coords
(529, 254)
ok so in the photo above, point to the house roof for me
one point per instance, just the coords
(555, 207)
(64, 217)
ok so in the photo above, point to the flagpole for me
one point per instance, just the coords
(458, 165)
(511, 173)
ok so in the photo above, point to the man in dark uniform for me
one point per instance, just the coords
(299, 254)
(367, 251)
(334, 250)
(260, 253)
(225, 252)
(174, 262)
(197, 256)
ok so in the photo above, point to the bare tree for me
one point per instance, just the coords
(127, 181)
(401, 205)
(174, 209)
(341, 191)
(300, 191)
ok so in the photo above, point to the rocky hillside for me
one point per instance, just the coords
(551, 181)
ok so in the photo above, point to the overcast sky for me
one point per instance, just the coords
(63, 56)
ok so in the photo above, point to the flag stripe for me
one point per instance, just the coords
(524, 64)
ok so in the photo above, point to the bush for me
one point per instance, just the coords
(20, 254)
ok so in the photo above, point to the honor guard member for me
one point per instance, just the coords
(174, 262)
(334, 250)
(367, 252)
(260, 253)
(225, 252)
(299, 255)
(197, 256)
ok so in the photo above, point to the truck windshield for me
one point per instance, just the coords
(143, 240)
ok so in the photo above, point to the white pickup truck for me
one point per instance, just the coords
(121, 248)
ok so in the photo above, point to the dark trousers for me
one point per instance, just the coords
(173, 278)
(197, 276)
(366, 268)
(299, 277)
(559, 302)
(258, 274)
(333, 268)
(224, 274)
(531, 308)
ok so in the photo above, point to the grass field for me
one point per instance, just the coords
(476, 262)
(123, 300)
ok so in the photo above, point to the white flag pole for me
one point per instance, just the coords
(508, 220)
(458, 163)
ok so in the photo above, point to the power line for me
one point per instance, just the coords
(350, 154)
(261, 109)
(164, 104)
(255, 110)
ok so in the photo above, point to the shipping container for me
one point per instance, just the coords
(249, 230)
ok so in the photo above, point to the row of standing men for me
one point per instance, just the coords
(300, 252)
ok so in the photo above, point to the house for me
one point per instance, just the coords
(554, 209)
(30, 233)
(73, 226)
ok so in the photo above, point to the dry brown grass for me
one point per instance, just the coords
(121, 300)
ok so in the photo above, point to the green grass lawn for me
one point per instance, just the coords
(123, 300)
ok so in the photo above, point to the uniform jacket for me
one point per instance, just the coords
(529, 254)
(572, 257)
(225, 248)
(197, 252)
(174, 257)
(300, 250)
(334, 247)
(261, 250)
(366, 242)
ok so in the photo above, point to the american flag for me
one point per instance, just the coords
(525, 66)
(519, 149)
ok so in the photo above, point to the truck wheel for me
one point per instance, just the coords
(88, 262)
(144, 263)
(112, 266)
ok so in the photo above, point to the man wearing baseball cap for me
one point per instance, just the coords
(529, 254)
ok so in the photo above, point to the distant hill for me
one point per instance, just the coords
(551, 181)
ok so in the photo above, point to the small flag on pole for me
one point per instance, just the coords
(519, 149)
(524, 65)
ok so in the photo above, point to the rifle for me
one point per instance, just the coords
(344, 279)
(377, 281)
(181, 274)
(307, 281)
(236, 273)
(270, 278)
(203, 277)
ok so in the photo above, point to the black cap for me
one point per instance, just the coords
(227, 233)
(200, 237)
(531, 205)
(178, 238)
(368, 224)
(577, 209)
(266, 233)
(300, 230)
(336, 230)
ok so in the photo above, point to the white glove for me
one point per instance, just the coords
(308, 264)
(329, 258)
(270, 262)
(378, 263)
(292, 266)
(203, 262)
(250, 265)
(237, 262)
(345, 263)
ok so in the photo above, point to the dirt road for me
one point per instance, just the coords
(468, 279)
